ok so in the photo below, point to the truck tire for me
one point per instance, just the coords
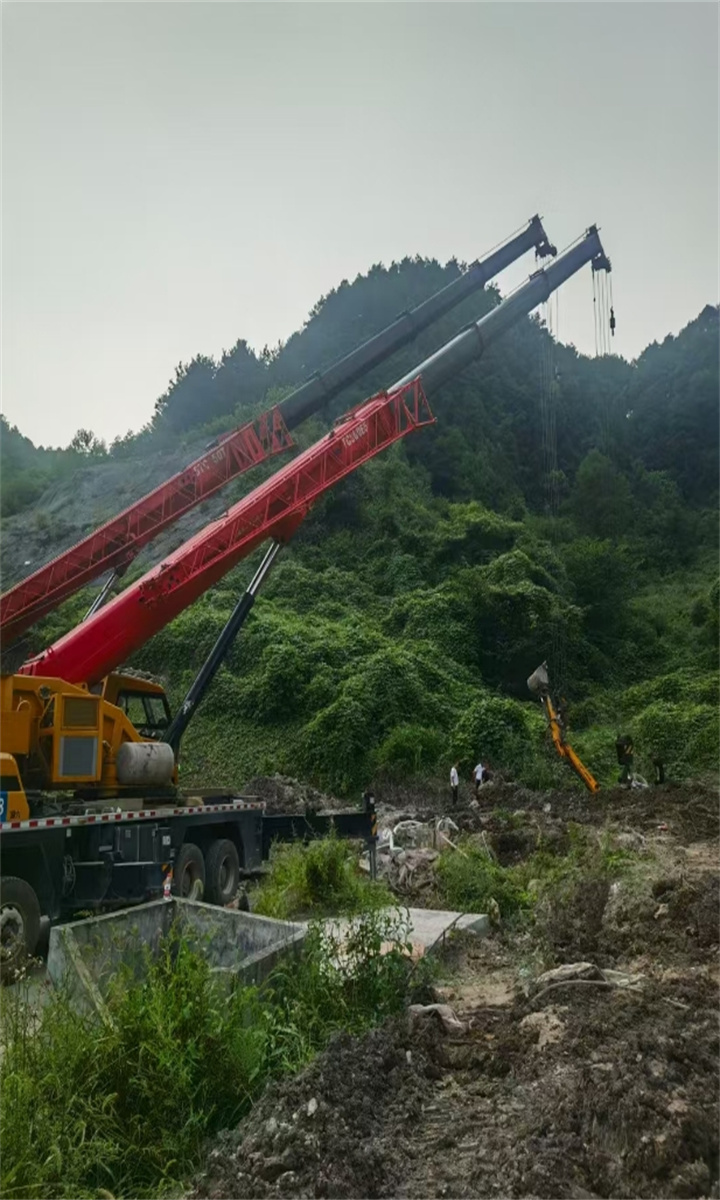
(222, 872)
(189, 872)
(19, 925)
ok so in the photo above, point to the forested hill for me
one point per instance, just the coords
(562, 507)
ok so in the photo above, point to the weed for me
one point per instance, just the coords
(320, 878)
(125, 1106)
(470, 877)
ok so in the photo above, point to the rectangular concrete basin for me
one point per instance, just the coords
(86, 955)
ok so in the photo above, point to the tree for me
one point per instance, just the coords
(85, 442)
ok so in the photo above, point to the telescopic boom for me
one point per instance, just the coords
(275, 509)
(114, 545)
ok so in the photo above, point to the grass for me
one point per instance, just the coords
(470, 877)
(320, 878)
(124, 1108)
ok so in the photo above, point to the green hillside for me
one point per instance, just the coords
(562, 508)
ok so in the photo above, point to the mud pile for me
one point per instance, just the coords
(599, 1094)
(591, 1089)
(282, 794)
(330, 1131)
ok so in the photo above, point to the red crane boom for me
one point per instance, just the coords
(115, 544)
(274, 509)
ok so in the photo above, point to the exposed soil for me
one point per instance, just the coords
(282, 794)
(586, 1090)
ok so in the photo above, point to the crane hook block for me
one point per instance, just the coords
(612, 321)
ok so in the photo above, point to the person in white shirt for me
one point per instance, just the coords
(478, 776)
(454, 782)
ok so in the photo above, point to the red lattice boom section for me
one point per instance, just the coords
(274, 509)
(114, 545)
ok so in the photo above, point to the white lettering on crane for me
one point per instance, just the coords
(217, 456)
(360, 431)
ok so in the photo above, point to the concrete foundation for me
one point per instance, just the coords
(85, 956)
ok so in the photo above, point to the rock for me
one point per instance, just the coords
(449, 1020)
(623, 979)
(412, 834)
(312, 1107)
(578, 970)
(271, 1169)
(549, 1027)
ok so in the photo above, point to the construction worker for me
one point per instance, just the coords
(659, 766)
(479, 777)
(625, 754)
(454, 782)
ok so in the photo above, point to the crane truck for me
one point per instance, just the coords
(91, 813)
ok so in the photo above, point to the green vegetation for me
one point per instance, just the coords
(398, 629)
(322, 877)
(123, 1108)
(470, 877)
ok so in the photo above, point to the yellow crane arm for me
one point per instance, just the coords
(564, 749)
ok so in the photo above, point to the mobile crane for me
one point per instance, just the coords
(113, 546)
(68, 725)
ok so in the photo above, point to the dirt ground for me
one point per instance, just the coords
(586, 1089)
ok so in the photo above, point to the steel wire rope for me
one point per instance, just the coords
(551, 485)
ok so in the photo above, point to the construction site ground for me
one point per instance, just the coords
(583, 1089)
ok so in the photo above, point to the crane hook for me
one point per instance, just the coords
(612, 321)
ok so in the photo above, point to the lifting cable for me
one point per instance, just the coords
(595, 311)
(548, 414)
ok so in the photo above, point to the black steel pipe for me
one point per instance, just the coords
(325, 385)
(470, 342)
(219, 652)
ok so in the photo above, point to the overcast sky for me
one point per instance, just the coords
(177, 176)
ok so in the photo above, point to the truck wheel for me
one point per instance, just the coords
(222, 872)
(189, 872)
(19, 925)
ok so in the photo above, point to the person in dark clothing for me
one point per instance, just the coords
(626, 758)
(659, 766)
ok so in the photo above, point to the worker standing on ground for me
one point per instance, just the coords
(479, 777)
(454, 782)
(626, 759)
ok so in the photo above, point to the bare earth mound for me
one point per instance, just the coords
(582, 1091)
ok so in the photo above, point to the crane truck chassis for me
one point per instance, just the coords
(62, 865)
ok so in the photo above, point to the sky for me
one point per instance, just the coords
(176, 176)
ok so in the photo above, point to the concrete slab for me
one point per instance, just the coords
(432, 925)
(428, 927)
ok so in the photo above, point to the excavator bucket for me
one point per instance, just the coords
(539, 682)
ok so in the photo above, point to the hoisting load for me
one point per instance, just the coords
(539, 685)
